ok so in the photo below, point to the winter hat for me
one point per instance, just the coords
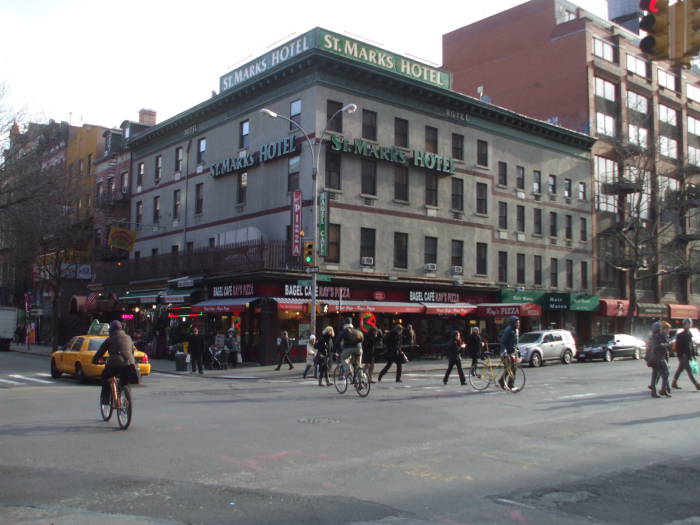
(114, 326)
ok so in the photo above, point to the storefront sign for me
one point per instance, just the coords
(432, 296)
(296, 223)
(266, 153)
(651, 310)
(583, 302)
(555, 301)
(510, 295)
(325, 292)
(507, 310)
(233, 290)
(323, 218)
(614, 307)
(416, 158)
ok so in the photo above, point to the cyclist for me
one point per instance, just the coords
(349, 340)
(509, 350)
(120, 348)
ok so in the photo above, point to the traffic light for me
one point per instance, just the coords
(308, 255)
(691, 19)
(656, 23)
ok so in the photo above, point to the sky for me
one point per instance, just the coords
(96, 62)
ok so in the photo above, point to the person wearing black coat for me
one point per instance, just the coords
(393, 341)
(474, 346)
(196, 349)
(454, 347)
(684, 352)
(284, 348)
(371, 340)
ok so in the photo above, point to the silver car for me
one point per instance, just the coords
(547, 345)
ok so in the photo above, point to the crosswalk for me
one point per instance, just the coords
(29, 379)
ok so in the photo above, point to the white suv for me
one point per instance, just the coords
(547, 345)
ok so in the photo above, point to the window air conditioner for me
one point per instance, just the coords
(367, 261)
(457, 270)
(430, 267)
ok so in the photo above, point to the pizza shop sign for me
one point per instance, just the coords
(233, 290)
(432, 296)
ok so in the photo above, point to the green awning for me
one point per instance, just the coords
(583, 302)
(511, 295)
(141, 296)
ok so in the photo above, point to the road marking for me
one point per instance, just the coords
(11, 382)
(511, 502)
(44, 374)
(17, 376)
(578, 396)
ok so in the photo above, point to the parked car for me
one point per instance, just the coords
(694, 332)
(76, 359)
(611, 346)
(547, 345)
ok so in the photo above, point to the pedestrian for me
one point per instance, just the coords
(284, 348)
(196, 349)
(233, 346)
(408, 336)
(311, 356)
(324, 351)
(372, 339)
(657, 355)
(684, 352)
(475, 346)
(392, 342)
(454, 347)
(509, 349)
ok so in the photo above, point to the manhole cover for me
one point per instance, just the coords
(317, 420)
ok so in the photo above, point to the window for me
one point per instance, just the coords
(605, 124)
(431, 189)
(158, 168)
(154, 252)
(554, 272)
(693, 92)
(400, 250)
(137, 254)
(482, 153)
(553, 229)
(156, 210)
(567, 188)
(369, 177)
(457, 194)
(178, 159)
(637, 135)
(603, 49)
(124, 182)
(295, 114)
(520, 218)
(431, 139)
(189, 247)
(668, 147)
(430, 256)
(520, 268)
(481, 258)
(293, 173)
(140, 169)
(199, 198)
(502, 173)
(583, 233)
(604, 89)
(606, 172)
(582, 191)
(693, 126)
(332, 170)
(502, 215)
(333, 254)
(139, 215)
(212, 242)
(503, 267)
(457, 146)
(100, 190)
(334, 116)
(536, 181)
(457, 257)
(520, 177)
(636, 65)
(637, 102)
(201, 150)
(244, 134)
(401, 183)
(401, 132)
(367, 242)
(175, 249)
(584, 274)
(568, 227)
(538, 269)
(552, 184)
(668, 115)
(693, 156)
(242, 187)
(481, 198)
(569, 273)
(176, 205)
(666, 79)
(537, 221)
(369, 125)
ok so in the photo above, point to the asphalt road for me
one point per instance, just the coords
(583, 443)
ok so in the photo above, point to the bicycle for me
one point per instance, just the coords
(119, 400)
(514, 375)
(480, 377)
(359, 378)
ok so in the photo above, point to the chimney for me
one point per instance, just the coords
(147, 117)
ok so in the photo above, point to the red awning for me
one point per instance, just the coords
(223, 306)
(449, 308)
(508, 309)
(290, 303)
(374, 306)
(614, 307)
(682, 311)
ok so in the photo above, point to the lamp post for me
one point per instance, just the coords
(315, 159)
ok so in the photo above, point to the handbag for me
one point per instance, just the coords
(134, 374)
(694, 366)
(401, 357)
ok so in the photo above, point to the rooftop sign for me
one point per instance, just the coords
(339, 45)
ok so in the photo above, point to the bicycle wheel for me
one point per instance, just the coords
(106, 409)
(340, 379)
(515, 378)
(480, 376)
(362, 383)
(124, 411)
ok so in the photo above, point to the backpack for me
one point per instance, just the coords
(354, 336)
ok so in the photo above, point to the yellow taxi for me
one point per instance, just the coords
(76, 357)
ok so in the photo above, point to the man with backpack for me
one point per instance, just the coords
(350, 341)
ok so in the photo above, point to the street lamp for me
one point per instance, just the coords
(315, 158)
